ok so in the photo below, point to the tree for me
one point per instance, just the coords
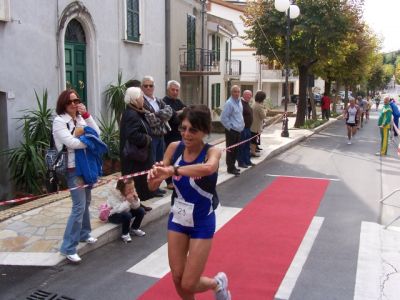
(321, 26)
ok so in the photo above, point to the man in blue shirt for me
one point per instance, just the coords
(232, 120)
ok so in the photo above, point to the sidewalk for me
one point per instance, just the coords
(31, 234)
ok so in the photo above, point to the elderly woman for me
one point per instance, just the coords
(71, 115)
(258, 120)
(135, 130)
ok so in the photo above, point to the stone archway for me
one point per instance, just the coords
(76, 10)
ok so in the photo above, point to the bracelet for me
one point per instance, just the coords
(176, 168)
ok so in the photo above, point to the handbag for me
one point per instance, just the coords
(104, 212)
(56, 165)
(133, 152)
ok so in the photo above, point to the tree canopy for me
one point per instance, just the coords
(328, 39)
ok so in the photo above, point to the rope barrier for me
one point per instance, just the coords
(102, 182)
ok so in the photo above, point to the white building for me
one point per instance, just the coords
(254, 74)
(47, 44)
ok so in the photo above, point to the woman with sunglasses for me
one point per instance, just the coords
(71, 117)
(193, 166)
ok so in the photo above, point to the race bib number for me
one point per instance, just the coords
(182, 212)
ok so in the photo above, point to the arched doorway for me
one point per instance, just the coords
(75, 58)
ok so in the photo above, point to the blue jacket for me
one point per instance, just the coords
(395, 109)
(88, 161)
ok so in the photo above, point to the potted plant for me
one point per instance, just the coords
(110, 136)
(115, 97)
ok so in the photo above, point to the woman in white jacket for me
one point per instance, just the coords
(71, 117)
(125, 205)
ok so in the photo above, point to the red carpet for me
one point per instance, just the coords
(256, 247)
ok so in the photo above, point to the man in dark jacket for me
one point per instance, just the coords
(244, 149)
(158, 118)
(177, 106)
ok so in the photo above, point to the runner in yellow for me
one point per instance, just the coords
(384, 124)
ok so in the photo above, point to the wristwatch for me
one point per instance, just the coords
(176, 168)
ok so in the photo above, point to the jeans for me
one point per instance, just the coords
(158, 148)
(78, 225)
(244, 149)
(125, 218)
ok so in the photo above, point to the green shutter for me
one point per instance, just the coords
(132, 17)
(218, 48)
(218, 104)
(213, 96)
(191, 42)
(226, 51)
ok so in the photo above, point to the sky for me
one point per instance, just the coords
(383, 17)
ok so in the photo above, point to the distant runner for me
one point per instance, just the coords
(351, 116)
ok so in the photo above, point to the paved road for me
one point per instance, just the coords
(359, 179)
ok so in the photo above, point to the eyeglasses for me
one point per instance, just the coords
(148, 85)
(191, 130)
(74, 101)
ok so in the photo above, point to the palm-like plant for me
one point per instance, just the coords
(39, 122)
(26, 163)
(110, 136)
(115, 98)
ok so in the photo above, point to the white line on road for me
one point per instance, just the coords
(303, 177)
(293, 273)
(378, 263)
(156, 264)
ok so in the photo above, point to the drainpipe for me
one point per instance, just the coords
(167, 40)
(204, 97)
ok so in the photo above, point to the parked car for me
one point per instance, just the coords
(349, 94)
(293, 99)
(317, 99)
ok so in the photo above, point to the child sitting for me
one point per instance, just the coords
(126, 206)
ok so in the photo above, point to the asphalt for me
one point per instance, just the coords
(31, 234)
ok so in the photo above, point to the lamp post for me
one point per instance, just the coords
(292, 12)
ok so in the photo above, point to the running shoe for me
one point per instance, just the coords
(222, 292)
(126, 238)
(138, 232)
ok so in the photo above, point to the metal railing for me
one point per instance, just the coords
(198, 60)
(233, 67)
(382, 202)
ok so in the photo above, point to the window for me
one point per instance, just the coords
(132, 20)
(215, 95)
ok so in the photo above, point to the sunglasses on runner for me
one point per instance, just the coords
(191, 130)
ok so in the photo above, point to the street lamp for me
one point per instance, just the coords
(292, 12)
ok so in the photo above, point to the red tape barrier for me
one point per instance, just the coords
(102, 182)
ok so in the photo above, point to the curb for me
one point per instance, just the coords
(161, 207)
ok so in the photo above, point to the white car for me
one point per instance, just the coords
(349, 94)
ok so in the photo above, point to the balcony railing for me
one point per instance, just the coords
(198, 62)
(233, 67)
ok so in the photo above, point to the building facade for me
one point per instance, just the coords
(256, 73)
(80, 44)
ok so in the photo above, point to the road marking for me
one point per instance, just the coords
(293, 273)
(304, 177)
(378, 263)
(156, 264)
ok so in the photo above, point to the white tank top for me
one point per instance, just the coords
(351, 113)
